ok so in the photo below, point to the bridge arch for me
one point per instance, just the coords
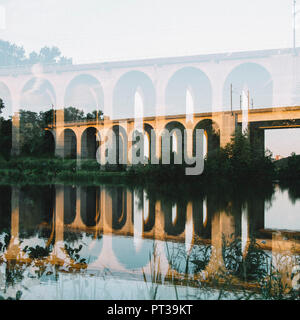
(136, 247)
(188, 81)
(36, 207)
(202, 217)
(124, 247)
(211, 136)
(37, 95)
(89, 143)
(144, 206)
(70, 144)
(85, 92)
(125, 91)
(121, 144)
(90, 205)
(148, 141)
(149, 211)
(250, 76)
(145, 131)
(177, 132)
(175, 217)
(70, 197)
(118, 207)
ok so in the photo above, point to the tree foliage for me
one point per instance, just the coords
(288, 169)
(12, 55)
(34, 139)
(74, 114)
(33, 133)
(5, 133)
(2, 106)
(240, 159)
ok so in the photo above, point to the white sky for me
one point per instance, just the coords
(283, 141)
(105, 30)
(102, 30)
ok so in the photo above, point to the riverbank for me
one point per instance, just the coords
(55, 170)
(239, 163)
(217, 171)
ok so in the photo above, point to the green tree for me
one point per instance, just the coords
(239, 153)
(33, 136)
(73, 114)
(94, 114)
(2, 106)
(240, 159)
(48, 55)
(5, 133)
(12, 55)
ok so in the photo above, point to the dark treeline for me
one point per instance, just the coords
(5, 134)
(239, 160)
(14, 55)
(34, 140)
(74, 114)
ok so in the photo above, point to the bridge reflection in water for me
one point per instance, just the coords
(131, 233)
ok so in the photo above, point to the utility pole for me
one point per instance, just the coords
(231, 98)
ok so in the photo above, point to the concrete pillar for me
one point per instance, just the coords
(189, 228)
(159, 226)
(129, 130)
(59, 136)
(59, 213)
(79, 150)
(189, 141)
(77, 223)
(106, 204)
(100, 155)
(16, 147)
(156, 147)
(222, 225)
(60, 89)
(108, 89)
(58, 254)
(128, 226)
(14, 251)
(227, 127)
(159, 127)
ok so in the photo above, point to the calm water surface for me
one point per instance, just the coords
(107, 242)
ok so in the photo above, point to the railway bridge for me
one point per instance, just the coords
(80, 139)
(189, 92)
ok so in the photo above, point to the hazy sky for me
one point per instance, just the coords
(283, 141)
(97, 30)
(103, 30)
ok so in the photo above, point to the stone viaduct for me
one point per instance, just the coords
(182, 90)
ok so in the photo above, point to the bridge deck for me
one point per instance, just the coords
(254, 115)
